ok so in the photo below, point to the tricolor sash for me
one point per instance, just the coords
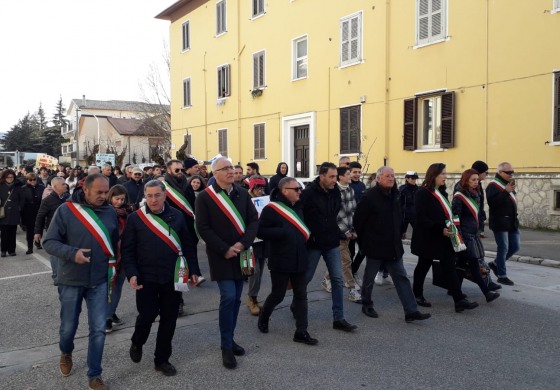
(181, 202)
(452, 222)
(291, 216)
(99, 231)
(246, 181)
(502, 187)
(168, 235)
(470, 203)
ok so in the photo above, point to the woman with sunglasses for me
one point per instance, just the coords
(11, 198)
(32, 193)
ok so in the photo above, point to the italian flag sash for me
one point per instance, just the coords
(166, 233)
(97, 228)
(246, 181)
(291, 216)
(452, 222)
(470, 203)
(182, 202)
(502, 187)
(224, 203)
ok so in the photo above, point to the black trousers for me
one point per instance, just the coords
(473, 265)
(29, 233)
(8, 238)
(152, 300)
(359, 257)
(279, 283)
(448, 268)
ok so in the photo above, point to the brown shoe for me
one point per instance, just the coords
(253, 306)
(97, 384)
(65, 363)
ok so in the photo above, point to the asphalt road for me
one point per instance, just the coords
(511, 343)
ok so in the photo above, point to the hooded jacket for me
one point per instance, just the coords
(274, 180)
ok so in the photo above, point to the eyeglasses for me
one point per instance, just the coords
(226, 168)
(296, 189)
(137, 174)
(509, 172)
(177, 170)
(31, 179)
(154, 196)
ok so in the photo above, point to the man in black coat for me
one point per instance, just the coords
(378, 224)
(135, 188)
(107, 171)
(227, 221)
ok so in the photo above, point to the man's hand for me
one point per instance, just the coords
(510, 187)
(134, 283)
(81, 257)
(232, 252)
(194, 279)
(37, 237)
(239, 246)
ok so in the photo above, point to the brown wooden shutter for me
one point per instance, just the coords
(447, 120)
(556, 130)
(409, 133)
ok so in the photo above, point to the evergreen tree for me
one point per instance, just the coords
(20, 135)
(52, 138)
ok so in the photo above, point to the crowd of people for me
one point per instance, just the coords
(102, 227)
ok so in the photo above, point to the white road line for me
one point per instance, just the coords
(25, 276)
(46, 262)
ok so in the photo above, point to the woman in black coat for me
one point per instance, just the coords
(431, 237)
(281, 172)
(10, 198)
(32, 193)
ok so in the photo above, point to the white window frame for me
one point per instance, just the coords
(258, 10)
(187, 92)
(431, 39)
(259, 84)
(255, 157)
(348, 40)
(223, 80)
(219, 132)
(555, 6)
(221, 17)
(432, 142)
(186, 36)
(303, 59)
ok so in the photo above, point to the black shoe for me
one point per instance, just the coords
(14, 254)
(135, 353)
(343, 325)
(493, 267)
(116, 321)
(370, 312)
(166, 368)
(463, 304)
(237, 349)
(416, 316)
(505, 280)
(262, 323)
(490, 296)
(493, 286)
(109, 326)
(29, 251)
(38, 245)
(421, 301)
(304, 338)
(3, 254)
(463, 295)
(228, 359)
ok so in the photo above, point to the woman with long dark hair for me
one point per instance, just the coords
(431, 237)
(31, 193)
(11, 199)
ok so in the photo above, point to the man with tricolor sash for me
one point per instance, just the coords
(281, 226)
(502, 202)
(83, 235)
(158, 258)
(227, 221)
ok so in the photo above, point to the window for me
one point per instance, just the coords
(223, 81)
(299, 68)
(556, 5)
(187, 92)
(430, 21)
(556, 200)
(258, 7)
(221, 17)
(186, 36)
(429, 122)
(556, 130)
(258, 70)
(187, 139)
(350, 134)
(222, 142)
(351, 39)
(258, 131)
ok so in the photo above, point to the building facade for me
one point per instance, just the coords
(404, 83)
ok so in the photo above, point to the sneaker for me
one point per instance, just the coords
(253, 306)
(109, 326)
(355, 296)
(97, 384)
(493, 267)
(505, 280)
(166, 368)
(201, 279)
(358, 280)
(117, 321)
(326, 284)
(65, 363)
(350, 288)
(387, 280)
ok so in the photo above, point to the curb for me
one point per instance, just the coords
(517, 258)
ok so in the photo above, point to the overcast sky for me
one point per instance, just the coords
(69, 48)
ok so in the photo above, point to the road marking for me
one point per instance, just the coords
(46, 262)
(26, 275)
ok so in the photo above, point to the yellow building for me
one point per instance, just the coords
(404, 83)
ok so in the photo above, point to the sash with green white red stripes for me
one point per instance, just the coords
(470, 203)
(451, 223)
(224, 203)
(502, 187)
(291, 216)
(99, 231)
(168, 235)
(181, 202)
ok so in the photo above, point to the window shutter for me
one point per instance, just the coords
(409, 134)
(261, 70)
(447, 120)
(437, 19)
(227, 80)
(423, 20)
(255, 71)
(344, 130)
(354, 38)
(345, 41)
(556, 132)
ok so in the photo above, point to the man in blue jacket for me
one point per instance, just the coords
(83, 264)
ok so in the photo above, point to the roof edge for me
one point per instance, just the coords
(166, 13)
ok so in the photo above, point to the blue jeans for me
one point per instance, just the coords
(400, 279)
(70, 308)
(508, 245)
(334, 266)
(230, 300)
(116, 295)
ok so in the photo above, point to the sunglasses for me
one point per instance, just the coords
(509, 172)
(31, 179)
(177, 170)
(297, 189)
(137, 174)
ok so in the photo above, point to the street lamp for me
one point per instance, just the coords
(97, 119)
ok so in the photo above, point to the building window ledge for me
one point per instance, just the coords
(430, 150)
(421, 45)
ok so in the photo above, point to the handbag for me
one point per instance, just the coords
(2, 208)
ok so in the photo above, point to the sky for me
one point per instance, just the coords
(99, 48)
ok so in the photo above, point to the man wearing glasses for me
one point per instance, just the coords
(502, 202)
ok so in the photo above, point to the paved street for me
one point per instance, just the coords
(511, 343)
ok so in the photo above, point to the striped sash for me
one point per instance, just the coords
(470, 203)
(179, 199)
(291, 216)
(502, 187)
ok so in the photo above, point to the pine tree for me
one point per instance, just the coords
(20, 135)
(52, 138)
